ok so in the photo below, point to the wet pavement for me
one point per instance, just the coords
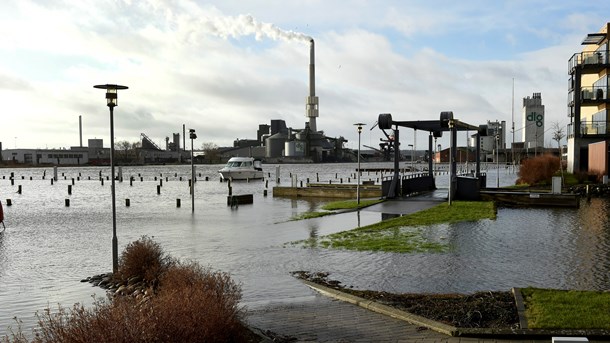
(325, 320)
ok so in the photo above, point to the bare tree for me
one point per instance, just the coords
(127, 152)
(558, 135)
(211, 151)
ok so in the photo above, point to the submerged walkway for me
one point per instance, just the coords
(321, 319)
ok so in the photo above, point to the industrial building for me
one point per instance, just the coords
(277, 142)
(74, 156)
(588, 103)
(533, 122)
(492, 139)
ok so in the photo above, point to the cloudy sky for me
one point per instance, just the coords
(224, 67)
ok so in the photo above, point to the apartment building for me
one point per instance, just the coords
(588, 101)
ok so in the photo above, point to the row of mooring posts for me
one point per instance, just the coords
(127, 202)
(118, 177)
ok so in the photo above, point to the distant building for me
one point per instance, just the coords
(533, 122)
(277, 142)
(492, 139)
(463, 154)
(72, 156)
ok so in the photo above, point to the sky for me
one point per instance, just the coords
(224, 67)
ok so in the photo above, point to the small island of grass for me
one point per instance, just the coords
(405, 234)
(336, 206)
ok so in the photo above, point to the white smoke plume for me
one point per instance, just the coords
(244, 25)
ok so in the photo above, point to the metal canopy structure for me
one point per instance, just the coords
(436, 128)
(593, 38)
(434, 125)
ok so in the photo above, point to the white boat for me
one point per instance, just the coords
(242, 168)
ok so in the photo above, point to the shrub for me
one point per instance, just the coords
(196, 305)
(538, 170)
(192, 304)
(143, 259)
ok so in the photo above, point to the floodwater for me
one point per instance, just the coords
(48, 248)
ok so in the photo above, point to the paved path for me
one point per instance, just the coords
(326, 320)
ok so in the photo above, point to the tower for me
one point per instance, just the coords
(311, 106)
(533, 121)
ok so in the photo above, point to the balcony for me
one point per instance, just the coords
(589, 62)
(590, 96)
(593, 95)
(591, 129)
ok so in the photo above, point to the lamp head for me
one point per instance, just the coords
(111, 93)
(359, 126)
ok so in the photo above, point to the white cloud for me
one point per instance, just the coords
(202, 65)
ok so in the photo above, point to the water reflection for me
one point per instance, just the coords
(386, 216)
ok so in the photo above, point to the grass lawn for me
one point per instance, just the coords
(552, 309)
(407, 233)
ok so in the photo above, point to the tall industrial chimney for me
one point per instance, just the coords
(311, 106)
(80, 130)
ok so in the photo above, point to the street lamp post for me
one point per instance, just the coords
(359, 127)
(497, 161)
(112, 101)
(192, 136)
(412, 156)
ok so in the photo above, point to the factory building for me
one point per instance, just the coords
(533, 122)
(277, 142)
(76, 155)
(492, 140)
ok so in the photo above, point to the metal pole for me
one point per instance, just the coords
(452, 162)
(497, 162)
(358, 185)
(192, 180)
(412, 157)
(115, 253)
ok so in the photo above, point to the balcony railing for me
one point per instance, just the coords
(589, 58)
(591, 129)
(594, 93)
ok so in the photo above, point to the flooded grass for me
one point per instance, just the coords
(350, 204)
(333, 207)
(400, 240)
(405, 234)
(310, 215)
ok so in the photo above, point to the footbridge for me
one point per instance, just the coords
(462, 187)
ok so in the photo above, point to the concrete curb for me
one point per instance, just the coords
(383, 309)
(448, 329)
(520, 307)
